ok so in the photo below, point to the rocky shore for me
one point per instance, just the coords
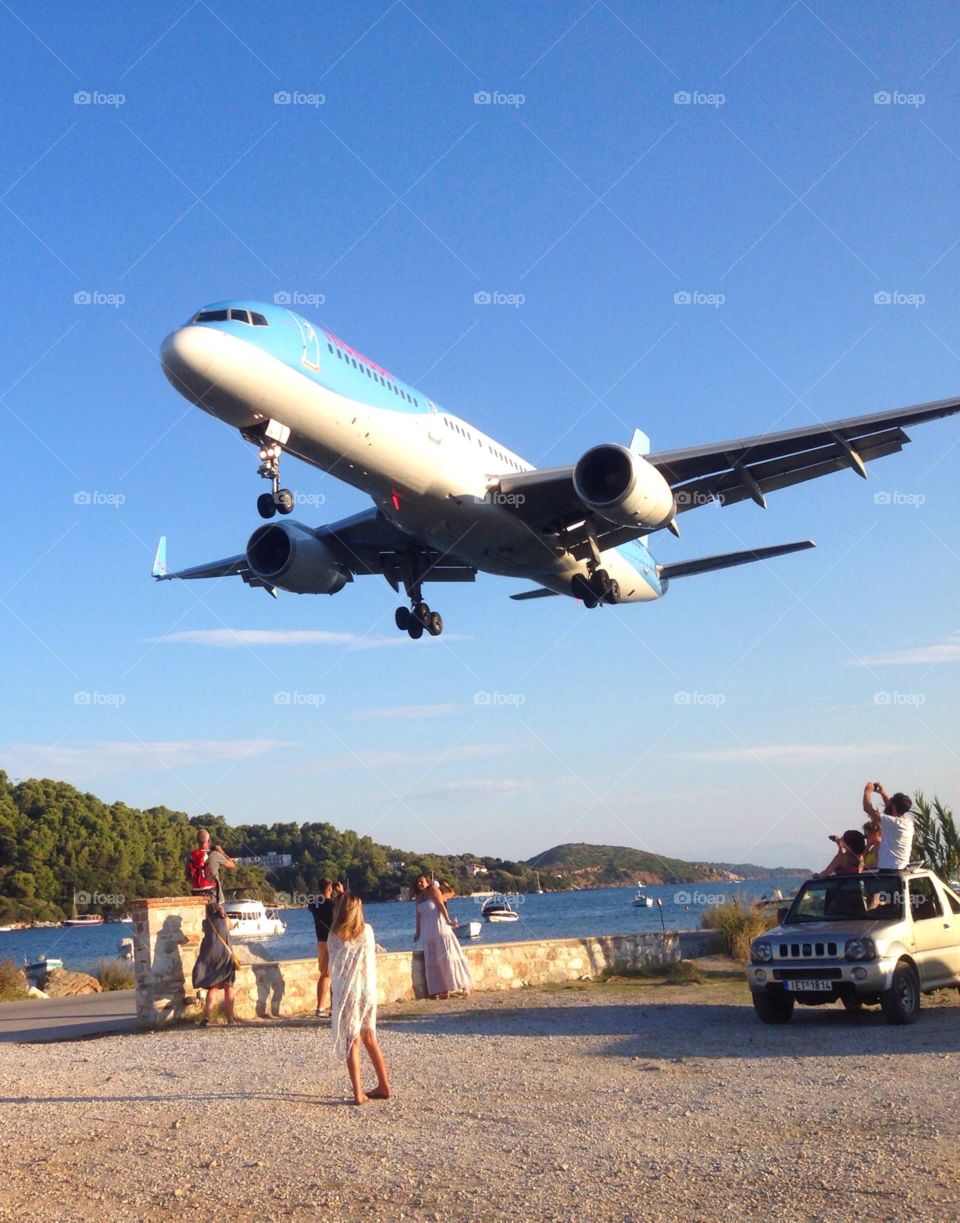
(636, 1100)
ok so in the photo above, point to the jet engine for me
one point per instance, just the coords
(623, 488)
(289, 556)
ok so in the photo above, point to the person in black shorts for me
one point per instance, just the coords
(321, 906)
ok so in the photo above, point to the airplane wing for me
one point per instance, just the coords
(721, 472)
(366, 543)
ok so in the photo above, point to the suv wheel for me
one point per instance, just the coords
(851, 1001)
(901, 1002)
(773, 1008)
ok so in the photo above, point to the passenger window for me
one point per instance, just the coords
(329, 347)
(258, 319)
(953, 902)
(924, 902)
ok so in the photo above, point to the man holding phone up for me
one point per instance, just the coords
(895, 823)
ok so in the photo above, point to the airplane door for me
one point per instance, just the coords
(310, 356)
(434, 431)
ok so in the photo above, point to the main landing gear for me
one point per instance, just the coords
(280, 500)
(599, 588)
(419, 619)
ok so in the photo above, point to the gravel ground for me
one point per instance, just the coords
(631, 1101)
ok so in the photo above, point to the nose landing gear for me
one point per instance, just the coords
(280, 500)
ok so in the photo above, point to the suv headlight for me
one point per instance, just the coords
(761, 952)
(861, 949)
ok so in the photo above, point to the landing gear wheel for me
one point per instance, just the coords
(266, 507)
(402, 618)
(434, 624)
(901, 1002)
(422, 613)
(415, 629)
(583, 591)
(613, 592)
(283, 499)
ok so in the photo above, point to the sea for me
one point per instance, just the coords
(548, 915)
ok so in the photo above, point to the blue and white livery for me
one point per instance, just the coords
(450, 501)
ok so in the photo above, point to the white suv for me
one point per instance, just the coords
(881, 937)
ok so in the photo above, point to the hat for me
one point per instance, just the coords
(855, 840)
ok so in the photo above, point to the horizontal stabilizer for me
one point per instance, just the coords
(726, 560)
(542, 593)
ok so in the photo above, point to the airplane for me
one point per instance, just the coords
(449, 501)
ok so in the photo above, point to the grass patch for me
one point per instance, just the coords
(112, 975)
(12, 982)
(738, 925)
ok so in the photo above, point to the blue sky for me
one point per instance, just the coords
(794, 168)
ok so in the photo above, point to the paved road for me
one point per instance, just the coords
(68, 1018)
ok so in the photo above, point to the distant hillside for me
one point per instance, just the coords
(600, 865)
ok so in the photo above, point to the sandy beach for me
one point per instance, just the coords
(627, 1101)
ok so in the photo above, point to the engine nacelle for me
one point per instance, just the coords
(623, 488)
(289, 556)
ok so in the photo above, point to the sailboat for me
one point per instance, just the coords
(539, 888)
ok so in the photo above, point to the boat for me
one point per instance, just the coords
(642, 900)
(41, 967)
(125, 950)
(468, 929)
(85, 919)
(539, 889)
(252, 919)
(497, 908)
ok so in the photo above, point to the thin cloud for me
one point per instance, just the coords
(942, 651)
(403, 713)
(402, 759)
(107, 758)
(233, 638)
(470, 789)
(793, 753)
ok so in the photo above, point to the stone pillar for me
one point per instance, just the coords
(166, 939)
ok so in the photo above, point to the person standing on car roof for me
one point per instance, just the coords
(895, 823)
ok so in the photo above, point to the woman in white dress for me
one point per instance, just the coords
(443, 959)
(353, 982)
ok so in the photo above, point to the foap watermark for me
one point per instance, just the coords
(694, 297)
(908, 699)
(84, 497)
(696, 97)
(502, 699)
(496, 97)
(494, 497)
(896, 97)
(297, 97)
(509, 898)
(310, 700)
(703, 899)
(293, 297)
(496, 298)
(693, 497)
(709, 699)
(101, 699)
(310, 500)
(86, 297)
(895, 497)
(894, 297)
(95, 97)
(107, 900)
(298, 898)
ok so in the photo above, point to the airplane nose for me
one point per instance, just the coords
(186, 355)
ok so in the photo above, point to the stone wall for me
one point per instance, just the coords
(167, 938)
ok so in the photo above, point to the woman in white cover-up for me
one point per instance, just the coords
(444, 963)
(353, 981)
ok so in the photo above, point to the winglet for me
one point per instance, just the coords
(159, 569)
(640, 443)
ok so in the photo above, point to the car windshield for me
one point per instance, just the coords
(848, 898)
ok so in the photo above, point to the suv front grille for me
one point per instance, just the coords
(805, 951)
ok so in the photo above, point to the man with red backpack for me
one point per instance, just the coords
(203, 868)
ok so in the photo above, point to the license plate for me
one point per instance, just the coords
(796, 987)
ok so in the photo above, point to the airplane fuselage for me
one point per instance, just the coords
(429, 472)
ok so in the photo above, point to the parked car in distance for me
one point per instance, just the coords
(881, 937)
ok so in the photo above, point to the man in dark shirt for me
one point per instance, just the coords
(217, 858)
(321, 906)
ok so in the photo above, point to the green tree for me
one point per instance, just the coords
(935, 837)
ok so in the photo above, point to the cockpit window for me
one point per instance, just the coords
(258, 319)
(240, 316)
(211, 316)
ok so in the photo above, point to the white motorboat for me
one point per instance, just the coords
(497, 908)
(642, 901)
(85, 919)
(41, 968)
(252, 919)
(468, 929)
(125, 951)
